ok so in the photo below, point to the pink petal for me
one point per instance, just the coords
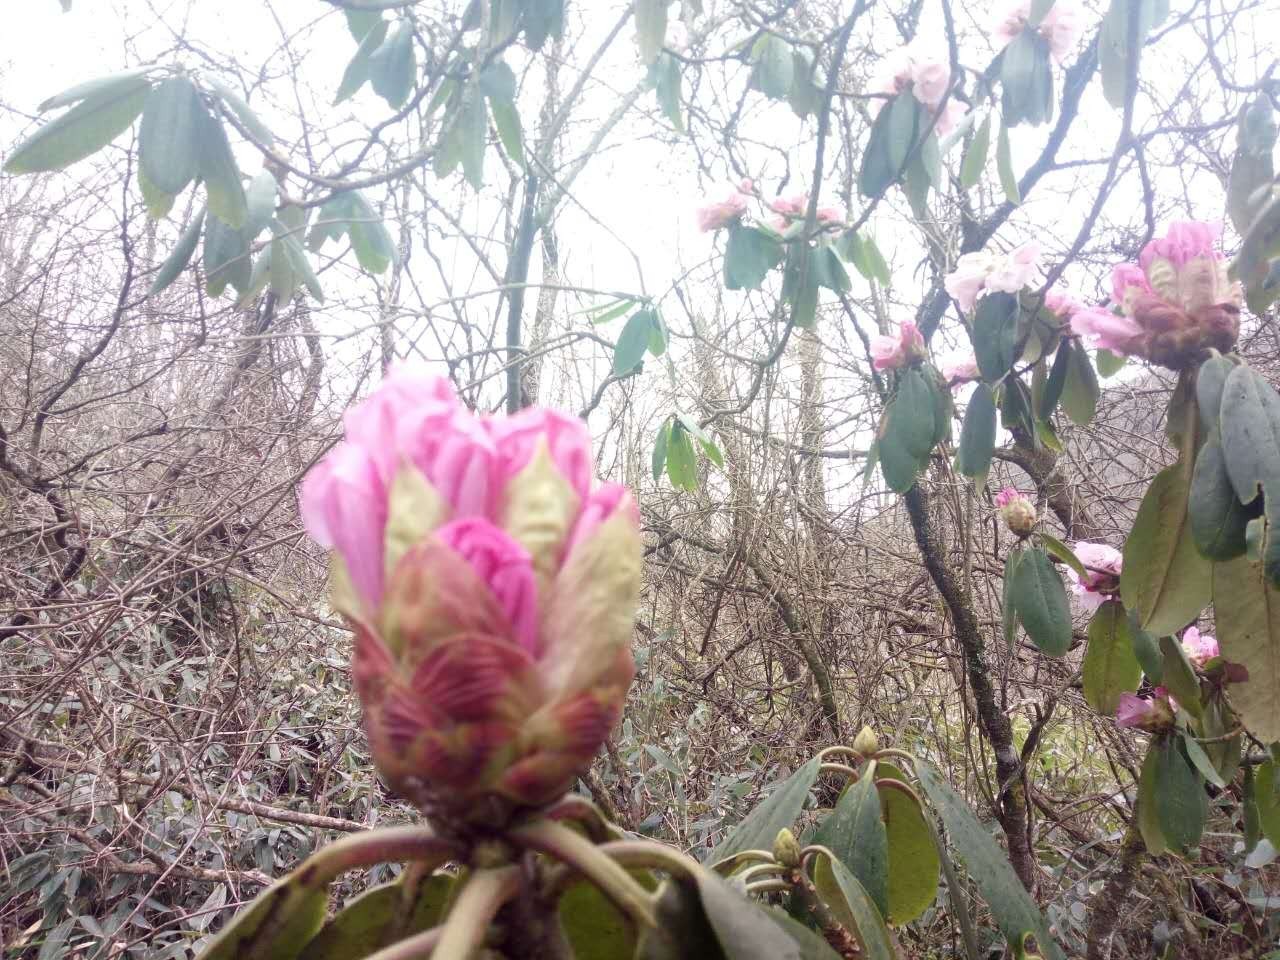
(344, 507)
(505, 567)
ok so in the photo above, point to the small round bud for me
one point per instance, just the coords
(1017, 512)
(866, 742)
(786, 849)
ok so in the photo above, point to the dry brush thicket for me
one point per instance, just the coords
(175, 718)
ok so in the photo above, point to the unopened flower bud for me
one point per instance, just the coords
(866, 742)
(786, 849)
(491, 589)
(1017, 512)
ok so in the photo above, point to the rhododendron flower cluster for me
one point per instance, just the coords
(1062, 304)
(1102, 563)
(981, 272)
(1018, 513)
(1199, 647)
(491, 586)
(892, 352)
(794, 207)
(1153, 715)
(958, 369)
(927, 74)
(1173, 305)
(1060, 27)
(720, 213)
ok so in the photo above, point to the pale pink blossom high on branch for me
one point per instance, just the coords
(1173, 305)
(927, 74)
(1199, 647)
(959, 368)
(892, 352)
(1060, 27)
(491, 584)
(981, 272)
(720, 213)
(1102, 564)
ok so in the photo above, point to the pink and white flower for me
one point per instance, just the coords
(1060, 27)
(491, 585)
(1102, 564)
(980, 272)
(892, 352)
(959, 368)
(926, 73)
(1199, 647)
(720, 213)
(1152, 715)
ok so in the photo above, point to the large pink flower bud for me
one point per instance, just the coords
(892, 352)
(1018, 513)
(491, 587)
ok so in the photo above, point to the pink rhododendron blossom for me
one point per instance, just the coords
(1102, 563)
(979, 272)
(1060, 26)
(1018, 513)
(721, 213)
(747, 186)
(1199, 647)
(891, 352)
(792, 206)
(1062, 304)
(1151, 715)
(1102, 328)
(959, 368)
(795, 207)
(1178, 300)
(491, 586)
(926, 73)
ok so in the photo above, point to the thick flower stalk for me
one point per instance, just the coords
(491, 586)
(1173, 305)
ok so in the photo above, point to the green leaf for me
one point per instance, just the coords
(360, 22)
(1266, 794)
(1200, 760)
(83, 130)
(665, 78)
(876, 261)
(1110, 665)
(804, 97)
(1114, 43)
(464, 137)
(1011, 906)
(773, 67)
(660, 450)
(226, 257)
(177, 261)
(659, 335)
(853, 907)
(1181, 805)
(260, 199)
(158, 202)
(893, 134)
(393, 66)
(1178, 676)
(594, 927)
(99, 87)
(760, 827)
(856, 834)
(1064, 553)
(713, 452)
(633, 342)
(301, 267)
(1026, 80)
(357, 72)
(1055, 382)
(1109, 364)
(651, 28)
(1148, 803)
(1146, 649)
(995, 334)
(1041, 602)
(1080, 393)
(1008, 599)
(374, 248)
(244, 112)
(1164, 577)
(800, 285)
(276, 926)
(371, 918)
(913, 856)
(978, 434)
(1211, 382)
(1250, 425)
(221, 175)
(1247, 610)
(1004, 165)
(975, 158)
(682, 462)
(1218, 519)
(1252, 167)
(829, 272)
(907, 430)
(749, 255)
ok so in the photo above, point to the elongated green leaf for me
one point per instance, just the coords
(666, 80)
(245, 113)
(371, 918)
(853, 907)
(1200, 760)
(302, 267)
(660, 450)
(1041, 602)
(633, 342)
(177, 261)
(1080, 392)
(651, 28)
(1008, 601)
(1148, 807)
(1218, 519)
(747, 931)
(1004, 165)
(83, 130)
(276, 926)
(1147, 650)
(995, 334)
(221, 175)
(913, 857)
(393, 66)
(1266, 793)
(260, 199)
(800, 285)
(226, 257)
(749, 255)
(100, 86)
(780, 809)
(1055, 382)
(1109, 364)
(975, 159)
(892, 135)
(1181, 805)
(374, 248)
(1064, 553)
(1250, 425)
(682, 461)
(1247, 609)
(1011, 906)
(978, 434)
(1114, 43)
(1026, 80)
(158, 202)
(357, 72)
(360, 22)
(855, 833)
(594, 927)
(1164, 578)
(1110, 665)
(773, 67)
(907, 430)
